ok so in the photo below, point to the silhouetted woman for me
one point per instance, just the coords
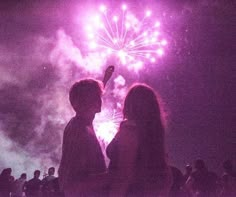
(137, 153)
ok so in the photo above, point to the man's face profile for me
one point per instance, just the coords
(91, 106)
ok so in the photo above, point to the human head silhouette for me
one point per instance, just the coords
(36, 174)
(141, 104)
(199, 164)
(51, 171)
(6, 172)
(23, 176)
(228, 166)
(85, 98)
(188, 168)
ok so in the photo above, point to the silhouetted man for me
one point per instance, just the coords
(202, 182)
(19, 186)
(228, 179)
(82, 157)
(33, 186)
(48, 183)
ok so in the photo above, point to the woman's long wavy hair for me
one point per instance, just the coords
(141, 106)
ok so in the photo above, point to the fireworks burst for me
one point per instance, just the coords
(106, 125)
(132, 41)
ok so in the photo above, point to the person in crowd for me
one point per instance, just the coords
(228, 179)
(188, 171)
(5, 182)
(82, 158)
(58, 192)
(202, 183)
(19, 186)
(33, 186)
(185, 190)
(48, 184)
(137, 155)
(177, 182)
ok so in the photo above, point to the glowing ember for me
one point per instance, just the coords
(131, 40)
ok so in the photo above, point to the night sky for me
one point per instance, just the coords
(195, 78)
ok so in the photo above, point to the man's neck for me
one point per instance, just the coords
(85, 120)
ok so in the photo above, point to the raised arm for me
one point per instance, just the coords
(108, 73)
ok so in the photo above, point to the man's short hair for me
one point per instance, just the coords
(82, 90)
(23, 175)
(36, 172)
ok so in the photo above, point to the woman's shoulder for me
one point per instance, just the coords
(128, 130)
(128, 124)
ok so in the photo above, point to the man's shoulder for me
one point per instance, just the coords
(75, 131)
(31, 181)
(73, 125)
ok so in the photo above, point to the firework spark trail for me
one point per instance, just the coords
(131, 40)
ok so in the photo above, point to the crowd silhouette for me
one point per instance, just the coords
(195, 182)
(138, 164)
(35, 187)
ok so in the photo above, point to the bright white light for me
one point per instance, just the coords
(148, 13)
(119, 80)
(154, 39)
(115, 40)
(115, 18)
(146, 41)
(101, 26)
(127, 25)
(106, 124)
(163, 42)
(106, 131)
(88, 28)
(145, 33)
(132, 43)
(160, 52)
(102, 8)
(148, 55)
(132, 40)
(96, 19)
(124, 7)
(90, 35)
(156, 33)
(152, 59)
(92, 45)
(103, 55)
(121, 54)
(157, 24)
(109, 51)
(137, 66)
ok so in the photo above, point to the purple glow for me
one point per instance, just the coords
(115, 18)
(157, 24)
(160, 52)
(102, 8)
(124, 7)
(45, 48)
(126, 37)
(164, 42)
(148, 13)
